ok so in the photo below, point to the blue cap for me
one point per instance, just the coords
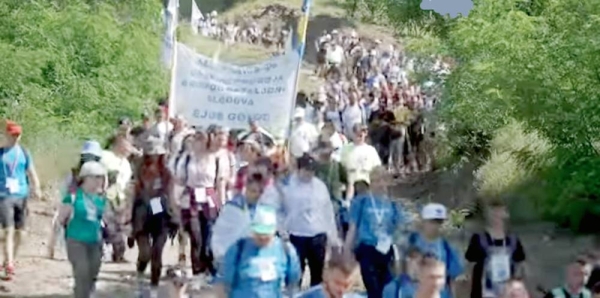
(264, 221)
(92, 148)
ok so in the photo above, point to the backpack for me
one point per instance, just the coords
(562, 293)
(241, 244)
(485, 243)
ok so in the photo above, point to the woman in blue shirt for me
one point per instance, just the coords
(373, 223)
(258, 266)
(81, 213)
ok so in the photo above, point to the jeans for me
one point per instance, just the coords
(311, 250)
(374, 268)
(85, 258)
(197, 226)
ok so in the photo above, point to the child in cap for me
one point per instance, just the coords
(429, 240)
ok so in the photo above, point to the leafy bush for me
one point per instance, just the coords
(70, 68)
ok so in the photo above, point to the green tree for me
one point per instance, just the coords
(70, 68)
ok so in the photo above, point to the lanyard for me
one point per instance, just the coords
(379, 212)
(13, 166)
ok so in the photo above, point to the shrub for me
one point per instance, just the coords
(70, 68)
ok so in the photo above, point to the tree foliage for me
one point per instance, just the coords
(74, 66)
(534, 62)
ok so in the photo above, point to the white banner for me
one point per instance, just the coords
(208, 92)
(196, 18)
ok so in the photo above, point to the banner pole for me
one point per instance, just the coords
(299, 46)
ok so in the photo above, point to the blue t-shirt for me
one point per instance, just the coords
(374, 216)
(444, 252)
(401, 287)
(259, 272)
(15, 163)
(319, 292)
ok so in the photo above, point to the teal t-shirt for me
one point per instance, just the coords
(85, 224)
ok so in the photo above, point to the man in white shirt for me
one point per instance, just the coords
(161, 129)
(359, 158)
(352, 114)
(304, 135)
(308, 218)
(119, 174)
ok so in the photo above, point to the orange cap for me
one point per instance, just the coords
(13, 129)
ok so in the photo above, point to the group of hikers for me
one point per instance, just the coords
(251, 213)
(248, 30)
(254, 220)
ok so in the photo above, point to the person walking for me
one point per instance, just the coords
(308, 218)
(258, 266)
(18, 182)
(81, 214)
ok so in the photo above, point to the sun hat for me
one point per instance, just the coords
(264, 221)
(433, 211)
(92, 147)
(92, 168)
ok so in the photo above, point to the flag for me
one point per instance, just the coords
(299, 37)
(196, 17)
(171, 18)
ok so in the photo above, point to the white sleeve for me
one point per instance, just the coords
(375, 157)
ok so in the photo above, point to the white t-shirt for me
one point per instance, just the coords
(351, 115)
(359, 160)
(335, 55)
(303, 137)
(121, 165)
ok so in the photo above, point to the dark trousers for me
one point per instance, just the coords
(375, 269)
(150, 249)
(311, 250)
(198, 228)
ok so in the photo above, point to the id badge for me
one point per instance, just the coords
(384, 243)
(12, 185)
(267, 270)
(499, 267)
(200, 194)
(156, 206)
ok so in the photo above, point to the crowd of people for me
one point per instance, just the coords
(251, 215)
(254, 221)
(243, 30)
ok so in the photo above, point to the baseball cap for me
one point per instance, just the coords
(434, 211)
(92, 147)
(92, 168)
(13, 129)
(264, 221)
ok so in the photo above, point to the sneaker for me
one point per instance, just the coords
(153, 292)
(9, 271)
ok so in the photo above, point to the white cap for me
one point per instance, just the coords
(299, 113)
(92, 168)
(92, 148)
(434, 211)
(334, 31)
